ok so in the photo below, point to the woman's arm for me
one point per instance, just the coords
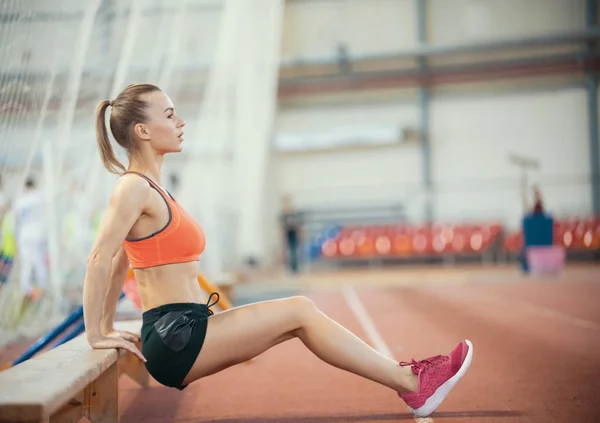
(120, 267)
(126, 205)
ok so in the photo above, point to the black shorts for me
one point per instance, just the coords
(172, 337)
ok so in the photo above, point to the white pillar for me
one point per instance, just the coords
(228, 155)
(165, 80)
(255, 109)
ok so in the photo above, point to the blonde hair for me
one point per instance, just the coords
(128, 109)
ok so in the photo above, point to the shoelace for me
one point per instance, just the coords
(422, 364)
(209, 304)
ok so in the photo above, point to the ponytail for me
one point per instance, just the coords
(108, 154)
(128, 109)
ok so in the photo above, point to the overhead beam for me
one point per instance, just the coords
(430, 51)
(502, 69)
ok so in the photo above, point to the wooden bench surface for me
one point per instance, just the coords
(36, 388)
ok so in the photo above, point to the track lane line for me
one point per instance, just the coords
(365, 320)
(358, 309)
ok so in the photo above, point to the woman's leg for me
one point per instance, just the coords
(239, 334)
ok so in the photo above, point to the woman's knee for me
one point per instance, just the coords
(304, 307)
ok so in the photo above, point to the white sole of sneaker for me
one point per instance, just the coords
(434, 401)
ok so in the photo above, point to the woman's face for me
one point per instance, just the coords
(164, 128)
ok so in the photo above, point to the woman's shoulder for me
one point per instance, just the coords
(130, 188)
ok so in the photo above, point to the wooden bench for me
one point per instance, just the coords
(69, 382)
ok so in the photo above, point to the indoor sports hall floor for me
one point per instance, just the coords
(536, 352)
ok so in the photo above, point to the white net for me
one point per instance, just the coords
(58, 59)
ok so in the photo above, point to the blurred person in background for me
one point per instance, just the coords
(8, 244)
(6, 237)
(3, 209)
(291, 221)
(538, 204)
(30, 229)
(182, 340)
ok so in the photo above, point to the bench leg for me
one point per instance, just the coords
(98, 401)
(71, 412)
(101, 397)
(134, 368)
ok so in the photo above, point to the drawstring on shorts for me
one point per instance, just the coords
(209, 304)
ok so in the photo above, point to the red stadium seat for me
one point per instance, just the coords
(596, 237)
(421, 242)
(478, 241)
(459, 242)
(513, 242)
(383, 245)
(402, 245)
(365, 246)
(330, 248)
(438, 244)
(567, 239)
(588, 239)
(347, 247)
(559, 232)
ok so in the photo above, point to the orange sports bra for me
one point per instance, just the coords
(180, 240)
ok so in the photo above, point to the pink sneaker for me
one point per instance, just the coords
(437, 376)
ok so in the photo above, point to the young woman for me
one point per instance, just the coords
(182, 341)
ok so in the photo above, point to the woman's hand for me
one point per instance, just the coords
(108, 342)
(128, 336)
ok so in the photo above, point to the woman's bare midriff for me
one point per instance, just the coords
(170, 283)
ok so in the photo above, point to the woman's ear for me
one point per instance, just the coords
(142, 131)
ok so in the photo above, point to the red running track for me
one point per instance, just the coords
(536, 359)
